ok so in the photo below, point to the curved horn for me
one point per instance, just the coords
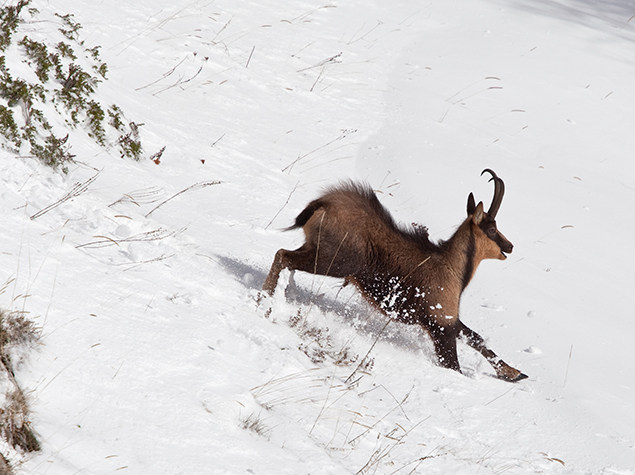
(499, 191)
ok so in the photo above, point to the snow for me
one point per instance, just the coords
(155, 357)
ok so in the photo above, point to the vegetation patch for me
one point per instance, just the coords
(56, 90)
(255, 424)
(17, 333)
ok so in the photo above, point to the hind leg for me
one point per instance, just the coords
(301, 259)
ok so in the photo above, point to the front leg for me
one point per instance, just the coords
(503, 370)
(444, 340)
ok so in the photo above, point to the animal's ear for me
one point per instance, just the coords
(477, 216)
(471, 204)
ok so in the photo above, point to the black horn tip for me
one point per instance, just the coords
(499, 191)
(491, 172)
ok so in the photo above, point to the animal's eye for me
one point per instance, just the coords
(491, 231)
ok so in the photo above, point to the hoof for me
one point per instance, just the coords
(519, 377)
(507, 373)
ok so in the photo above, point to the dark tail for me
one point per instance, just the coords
(305, 215)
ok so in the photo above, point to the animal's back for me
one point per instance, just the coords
(357, 206)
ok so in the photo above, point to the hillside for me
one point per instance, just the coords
(155, 357)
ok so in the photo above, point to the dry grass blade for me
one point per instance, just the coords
(344, 134)
(154, 235)
(250, 55)
(196, 186)
(498, 397)
(355, 38)
(285, 203)
(566, 374)
(384, 452)
(4, 286)
(292, 387)
(77, 190)
(552, 459)
(16, 330)
(326, 400)
(331, 60)
(15, 425)
(179, 82)
(139, 197)
(165, 75)
(5, 467)
(148, 261)
(370, 428)
(255, 424)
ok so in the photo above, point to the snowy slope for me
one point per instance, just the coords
(155, 357)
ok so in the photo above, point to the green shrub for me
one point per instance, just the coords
(67, 75)
(9, 21)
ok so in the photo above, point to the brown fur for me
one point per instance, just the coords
(349, 234)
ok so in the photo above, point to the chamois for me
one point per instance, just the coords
(351, 235)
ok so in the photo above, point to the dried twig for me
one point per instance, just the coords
(566, 374)
(77, 190)
(188, 80)
(317, 79)
(250, 55)
(355, 40)
(285, 204)
(179, 82)
(213, 41)
(202, 184)
(139, 197)
(500, 396)
(218, 140)
(344, 134)
(331, 60)
(156, 158)
(156, 259)
(378, 455)
(165, 75)
(154, 235)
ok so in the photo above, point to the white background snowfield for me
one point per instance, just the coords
(155, 358)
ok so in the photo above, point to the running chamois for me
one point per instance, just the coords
(350, 235)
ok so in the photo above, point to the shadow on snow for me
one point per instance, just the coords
(345, 303)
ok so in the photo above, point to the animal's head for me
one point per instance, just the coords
(492, 243)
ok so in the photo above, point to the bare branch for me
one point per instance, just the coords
(196, 186)
(77, 190)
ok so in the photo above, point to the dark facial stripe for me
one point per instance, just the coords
(486, 225)
(469, 260)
